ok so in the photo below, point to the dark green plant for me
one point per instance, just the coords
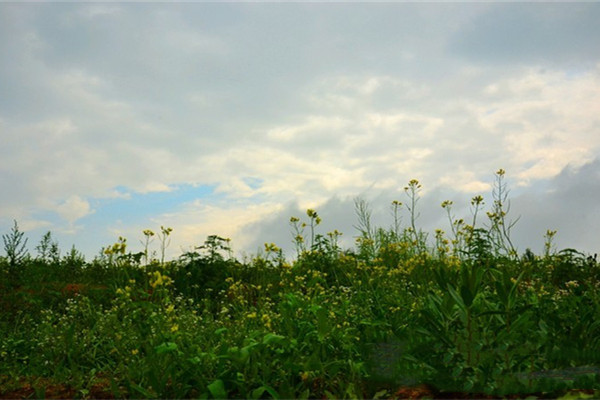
(16, 250)
(48, 250)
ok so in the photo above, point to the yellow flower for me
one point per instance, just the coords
(175, 328)
(134, 351)
(267, 321)
(477, 200)
(160, 279)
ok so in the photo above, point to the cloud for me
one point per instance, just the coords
(314, 101)
(558, 34)
(73, 209)
(567, 203)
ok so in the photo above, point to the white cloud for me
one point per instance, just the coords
(27, 224)
(73, 209)
(548, 119)
(311, 129)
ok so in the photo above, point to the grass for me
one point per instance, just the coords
(399, 315)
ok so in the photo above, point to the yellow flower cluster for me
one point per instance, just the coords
(125, 291)
(158, 279)
(266, 319)
(572, 284)
(271, 248)
(237, 292)
(117, 248)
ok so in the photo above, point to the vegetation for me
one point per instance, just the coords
(458, 313)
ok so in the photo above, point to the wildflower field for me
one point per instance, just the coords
(402, 314)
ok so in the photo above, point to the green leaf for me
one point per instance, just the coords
(351, 392)
(448, 357)
(576, 395)
(220, 331)
(382, 394)
(272, 338)
(166, 347)
(457, 299)
(466, 295)
(194, 360)
(217, 389)
(456, 371)
(330, 395)
(142, 391)
(468, 385)
(314, 362)
(258, 392)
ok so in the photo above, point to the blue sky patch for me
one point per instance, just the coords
(140, 206)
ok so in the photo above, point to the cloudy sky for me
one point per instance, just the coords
(229, 118)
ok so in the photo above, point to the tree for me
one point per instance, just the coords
(48, 249)
(14, 246)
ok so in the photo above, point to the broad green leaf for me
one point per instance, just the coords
(217, 389)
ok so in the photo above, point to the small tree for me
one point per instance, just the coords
(73, 262)
(14, 246)
(48, 250)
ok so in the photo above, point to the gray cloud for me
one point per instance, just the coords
(567, 203)
(563, 34)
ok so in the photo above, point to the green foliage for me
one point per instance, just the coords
(463, 313)
(15, 249)
(48, 250)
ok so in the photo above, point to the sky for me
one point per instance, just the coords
(229, 118)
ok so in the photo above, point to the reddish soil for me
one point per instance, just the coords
(34, 388)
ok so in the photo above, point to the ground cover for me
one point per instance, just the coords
(399, 316)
